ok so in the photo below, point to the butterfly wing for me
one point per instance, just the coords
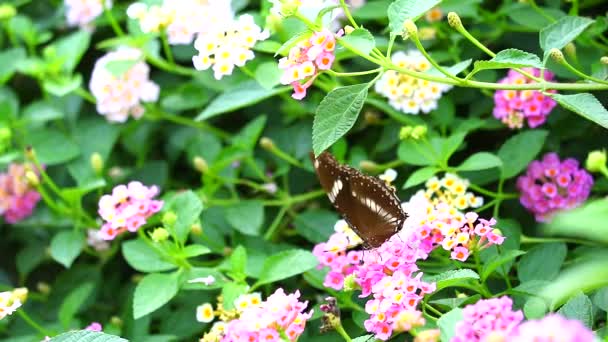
(371, 208)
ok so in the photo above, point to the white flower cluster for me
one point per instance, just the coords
(182, 19)
(228, 47)
(119, 96)
(406, 93)
(82, 12)
(311, 8)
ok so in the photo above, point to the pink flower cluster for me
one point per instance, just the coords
(120, 95)
(487, 319)
(82, 12)
(552, 327)
(513, 107)
(390, 275)
(306, 59)
(431, 225)
(280, 315)
(17, 198)
(127, 208)
(550, 185)
(94, 326)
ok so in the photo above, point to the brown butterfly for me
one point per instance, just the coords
(366, 203)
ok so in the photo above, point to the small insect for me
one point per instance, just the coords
(366, 203)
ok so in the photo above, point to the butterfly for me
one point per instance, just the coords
(369, 206)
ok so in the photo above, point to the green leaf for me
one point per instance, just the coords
(40, 112)
(401, 10)
(449, 145)
(580, 308)
(238, 262)
(507, 59)
(195, 250)
(585, 105)
(143, 258)
(284, 49)
(268, 75)
(360, 39)
(242, 95)
(364, 338)
(232, 291)
(120, 67)
(187, 96)
(336, 114)
(542, 262)
(523, 14)
(600, 298)
(66, 246)
(188, 207)
(414, 153)
(562, 32)
(454, 69)
(86, 336)
(447, 323)
(152, 292)
(286, 264)
(316, 225)
(73, 302)
(498, 260)
(453, 278)
(201, 272)
(246, 216)
(585, 222)
(28, 258)
(535, 308)
(8, 60)
(420, 176)
(69, 50)
(62, 85)
(248, 136)
(480, 161)
(517, 152)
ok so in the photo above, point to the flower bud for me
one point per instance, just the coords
(115, 320)
(196, 229)
(350, 284)
(371, 117)
(97, 163)
(427, 33)
(289, 7)
(410, 27)
(557, 55)
(43, 288)
(200, 164)
(348, 29)
(454, 21)
(604, 60)
(570, 50)
(115, 172)
(368, 166)
(596, 161)
(159, 235)
(21, 294)
(405, 132)
(32, 178)
(419, 132)
(431, 335)
(331, 316)
(169, 219)
(7, 11)
(267, 143)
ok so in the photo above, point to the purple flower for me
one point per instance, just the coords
(17, 197)
(550, 185)
(488, 318)
(552, 327)
(514, 107)
(94, 326)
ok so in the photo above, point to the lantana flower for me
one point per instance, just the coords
(127, 208)
(120, 95)
(551, 185)
(182, 19)
(228, 47)
(552, 327)
(307, 59)
(488, 320)
(406, 93)
(515, 107)
(9, 303)
(82, 12)
(17, 197)
(94, 326)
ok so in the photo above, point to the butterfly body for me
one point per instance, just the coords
(366, 203)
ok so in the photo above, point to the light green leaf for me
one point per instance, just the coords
(195, 250)
(73, 302)
(454, 69)
(62, 85)
(120, 67)
(580, 308)
(535, 308)
(401, 10)
(480, 161)
(39, 112)
(188, 207)
(364, 338)
(585, 105)
(152, 292)
(8, 60)
(268, 75)
(66, 246)
(143, 258)
(360, 39)
(562, 32)
(453, 278)
(517, 152)
(447, 323)
(86, 336)
(285, 265)
(232, 291)
(498, 260)
(70, 49)
(507, 59)
(336, 114)
(242, 95)
(248, 136)
(600, 298)
(586, 222)
(420, 176)
(238, 262)
(316, 225)
(415, 153)
(542, 262)
(202, 272)
(246, 216)
(187, 96)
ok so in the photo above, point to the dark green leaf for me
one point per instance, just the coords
(580, 308)
(143, 258)
(285, 265)
(453, 278)
(542, 262)
(73, 302)
(507, 59)
(401, 10)
(517, 152)
(562, 32)
(66, 246)
(497, 261)
(246, 216)
(188, 207)
(585, 105)
(316, 225)
(480, 161)
(420, 176)
(152, 292)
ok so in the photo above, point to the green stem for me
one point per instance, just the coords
(574, 8)
(433, 310)
(579, 73)
(275, 224)
(356, 73)
(421, 48)
(340, 330)
(166, 66)
(80, 91)
(181, 120)
(108, 13)
(540, 11)
(347, 14)
(166, 47)
(34, 324)
(524, 239)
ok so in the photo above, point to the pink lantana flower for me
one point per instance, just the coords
(552, 327)
(81, 13)
(17, 197)
(488, 318)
